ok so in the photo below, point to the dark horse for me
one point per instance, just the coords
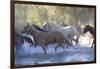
(45, 38)
(43, 30)
(90, 29)
(38, 28)
(20, 39)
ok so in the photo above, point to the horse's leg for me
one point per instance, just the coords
(62, 47)
(68, 42)
(56, 48)
(44, 50)
(35, 45)
(92, 44)
(76, 40)
(59, 44)
(90, 40)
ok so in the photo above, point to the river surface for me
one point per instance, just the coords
(26, 55)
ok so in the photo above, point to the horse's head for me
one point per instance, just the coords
(27, 28)
(46, 27)
(86, 28)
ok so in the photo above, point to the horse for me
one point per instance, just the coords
(45, 38)
(90, 29)
(69, 32)
(20, 39)
(40, 29)
(79, 29)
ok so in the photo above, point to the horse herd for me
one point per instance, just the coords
(52, 33)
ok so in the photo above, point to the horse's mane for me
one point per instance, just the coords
(36, 30)
(91, 29)
(78, 28)
(37, 27)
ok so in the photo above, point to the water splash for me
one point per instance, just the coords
(31, 55)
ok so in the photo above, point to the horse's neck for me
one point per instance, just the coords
(91, 30)
(36, 32)
(37, 27)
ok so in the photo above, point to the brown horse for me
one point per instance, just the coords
(92, 32)
(45, 38)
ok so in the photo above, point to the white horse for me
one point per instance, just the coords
(69, 32)
(79, 29)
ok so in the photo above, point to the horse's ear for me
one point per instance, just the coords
(28, 24)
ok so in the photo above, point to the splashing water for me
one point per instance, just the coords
(27, 55)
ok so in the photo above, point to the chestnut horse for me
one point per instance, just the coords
(45, 38)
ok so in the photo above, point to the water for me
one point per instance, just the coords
(27, 55)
